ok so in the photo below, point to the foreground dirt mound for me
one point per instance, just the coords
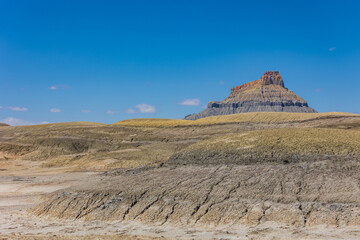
(273, 145)
(303, 194)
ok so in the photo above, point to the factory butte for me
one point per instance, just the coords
(267, 94)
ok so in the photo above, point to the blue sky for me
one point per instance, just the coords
(105, 61)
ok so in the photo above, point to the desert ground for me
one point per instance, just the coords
(242, 176)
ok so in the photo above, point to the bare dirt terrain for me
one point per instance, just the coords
(95, 181)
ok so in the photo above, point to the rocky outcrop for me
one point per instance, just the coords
(267, 94)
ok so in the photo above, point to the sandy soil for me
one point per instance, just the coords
(20, 191)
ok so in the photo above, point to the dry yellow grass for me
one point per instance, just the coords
(287, 144)
(254, 117)
(302, 140)
(152, 122)
(62, 124)
(146, 155)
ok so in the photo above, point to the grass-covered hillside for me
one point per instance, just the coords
(140, 142)
(252, 117)
(273, 145)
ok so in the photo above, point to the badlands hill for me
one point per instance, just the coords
(267, 94)
(299, 173)
(250, 170)
(138, 142)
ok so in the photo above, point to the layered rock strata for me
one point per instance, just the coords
(267, 94)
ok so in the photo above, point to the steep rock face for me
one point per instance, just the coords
(267, 94)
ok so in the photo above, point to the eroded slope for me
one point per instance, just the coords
(295, 194)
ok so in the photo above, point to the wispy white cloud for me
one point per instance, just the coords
(18, 122)
(130, 111)
(55, 110)
(17, 109)
(221, 82)
(145, 108)
(85, 111)
(332, 49)
(318, 90)
(110, 112)
(14, 121)
(57, 87)
(141, 108)
(190, 102)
